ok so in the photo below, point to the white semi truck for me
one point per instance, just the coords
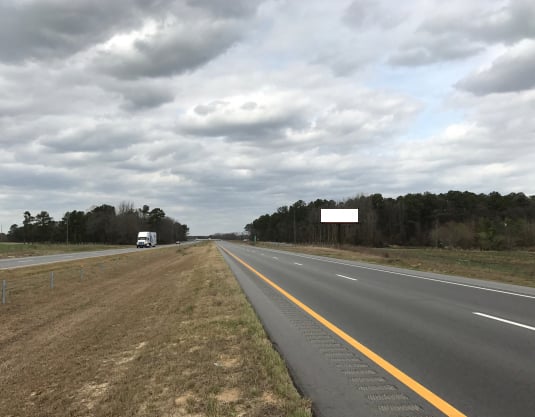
(146, 239)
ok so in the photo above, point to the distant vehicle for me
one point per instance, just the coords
(146, 239)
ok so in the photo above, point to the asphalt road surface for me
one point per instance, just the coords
(367, 340)
(10, 263)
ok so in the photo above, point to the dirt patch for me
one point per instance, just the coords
(229, 395)
(163, 332)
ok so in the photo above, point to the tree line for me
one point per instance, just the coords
(101, 224)
(453, 219)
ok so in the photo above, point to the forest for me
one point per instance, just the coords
(101, 224)
(456, 219)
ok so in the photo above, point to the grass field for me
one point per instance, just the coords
(515, 267)
(163, 332)
(19, 250)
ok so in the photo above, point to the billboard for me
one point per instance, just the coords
(339, 215)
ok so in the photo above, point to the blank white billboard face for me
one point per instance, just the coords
(339, 215)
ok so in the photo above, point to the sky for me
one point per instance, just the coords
(220, 111)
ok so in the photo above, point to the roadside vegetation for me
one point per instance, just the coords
(18, 250)
(513, 267)
(454, 219)
(154, 333)
(102, 224)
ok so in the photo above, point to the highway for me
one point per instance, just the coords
(369, 340)
(11, 263)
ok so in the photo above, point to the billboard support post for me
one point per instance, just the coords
(339, 217)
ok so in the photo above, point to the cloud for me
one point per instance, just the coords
(173, 48)
(143, 95)
(225, 8)
(433, 50)
(51, 29)
(323, 117)
(101, 138)
(248, 118)
(56, 29)
(18, 176)
(461, 31)
(507, 23)
(491, 148)
(512, 71)
(372, 13)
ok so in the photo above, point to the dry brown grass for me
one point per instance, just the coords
(155, 333)
(19, 250)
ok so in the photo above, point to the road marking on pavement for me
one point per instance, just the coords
(443, 281)
(514, 323)
(296, 263)
(275, 257)
(415, 386)
(343, 276)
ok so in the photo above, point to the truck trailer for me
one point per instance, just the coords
(146, 239)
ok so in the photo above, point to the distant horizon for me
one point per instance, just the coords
(274, 208)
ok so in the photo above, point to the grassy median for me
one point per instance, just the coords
(164, 332)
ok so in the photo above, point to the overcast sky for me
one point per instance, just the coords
(219, 111)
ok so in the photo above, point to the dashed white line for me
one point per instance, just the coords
(275, 257)
(297, 263)
(514, 323)
(343, 276)
(442, 281)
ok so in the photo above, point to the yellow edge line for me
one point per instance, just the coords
(429, 396)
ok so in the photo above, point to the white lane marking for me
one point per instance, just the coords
(295, 263)
(23, 260)
(275, 257)
(418, 277)
(514, 323)
(343, 276)
(477, 287)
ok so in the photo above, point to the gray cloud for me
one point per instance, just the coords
(513, 71)
(432, 50)
(47, 29)
(101, 138)
(457, 33)
(18, 176)
(51, 29)
(225, 8)
(173, 50)
(370, 13)
(243, 120)
(205, 109)
(509, 23)
(141, 96)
